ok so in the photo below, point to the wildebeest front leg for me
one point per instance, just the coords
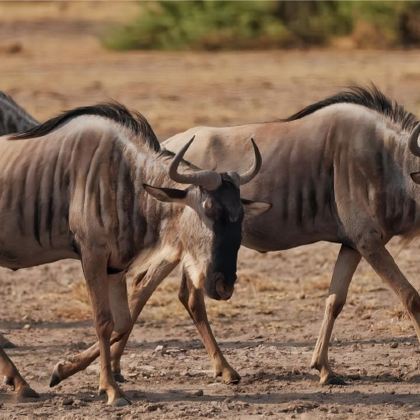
(193, 300)
(97, 281)
(345, 266)
(13, 378)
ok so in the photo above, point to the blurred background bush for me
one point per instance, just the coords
(221, 25)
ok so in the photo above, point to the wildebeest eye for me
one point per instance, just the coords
(207, 204)
(210, 208)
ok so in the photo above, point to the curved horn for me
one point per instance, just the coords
(254, 169)
(413, 142)
(210, 180)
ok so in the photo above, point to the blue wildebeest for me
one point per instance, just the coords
(93, 184)
(339, 171)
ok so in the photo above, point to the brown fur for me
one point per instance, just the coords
(339, 171)
(73, 187)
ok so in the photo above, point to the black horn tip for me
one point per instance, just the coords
(257, 154)
(257, 150)
(188, 144)
(183, 150)
(55, 380)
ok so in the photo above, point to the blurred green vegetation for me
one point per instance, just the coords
(218, 25)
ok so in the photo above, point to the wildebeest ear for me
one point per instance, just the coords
(415, 176)
(254, 208)
(168, 195)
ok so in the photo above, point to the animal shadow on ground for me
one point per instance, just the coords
(240, 344)
(318, 398)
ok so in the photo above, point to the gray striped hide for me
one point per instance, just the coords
(340, 170)
(13, 119)
(93, 184)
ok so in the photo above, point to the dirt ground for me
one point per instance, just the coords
(50, 60)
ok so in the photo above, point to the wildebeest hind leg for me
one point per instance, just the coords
(122, 322)
(94, 263)
(14, 379)
(384, 265)
(143, 286)
(345, 266)
(193, 300)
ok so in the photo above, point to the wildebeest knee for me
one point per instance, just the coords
(193, 305)
(412, 302)
(122, 325)
(367, 242)
(335, 305)
(183, 295)
(104, 324)
(337, 308)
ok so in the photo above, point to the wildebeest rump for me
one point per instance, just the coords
(13, 119)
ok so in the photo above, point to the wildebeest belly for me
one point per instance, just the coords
(15, 259)
(273, 232)
(19, 249)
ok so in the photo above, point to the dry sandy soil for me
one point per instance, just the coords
(50, 59)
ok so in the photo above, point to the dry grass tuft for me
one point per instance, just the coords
(259, 282)
(398, 313)
(79, 292)
(319, 283)
(76, 305)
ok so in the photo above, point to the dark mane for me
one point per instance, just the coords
(371, 98)
(113, 111)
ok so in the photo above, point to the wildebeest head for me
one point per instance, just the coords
(210, 225)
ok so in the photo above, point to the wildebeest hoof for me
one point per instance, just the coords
(6, 344)
(334, 380)
(118, 377)
(8, 380)
(229, 376)
(26, 392)
(55, 377)
(101, 391)
(120, 402)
